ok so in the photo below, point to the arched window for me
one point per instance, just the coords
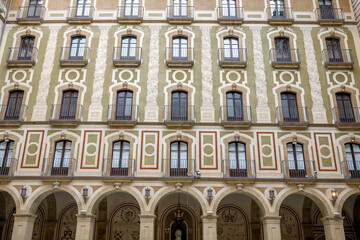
(353, 159)
(290, 112)
(124, 105)
(180, 8)
(77, 48)
(237, 159)
(69, 104)
(128, 48)
(83, 8)
(131, 8)
(326, 9)
(231, 49)
(283, 52)
(179, 106)
(6, 150)
(14, 105)
(178, 158)
(180, 49)
(296, 161)
(277, 8)
(344, 107)
(26, 48)
(234, 106)
(120, 158)
(333, 50)
(34, 10)
(61, 159)
(228, 8)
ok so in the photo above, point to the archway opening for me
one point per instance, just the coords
(7, 211)
(351, 214)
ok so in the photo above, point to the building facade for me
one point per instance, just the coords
(179, 119)
(356, 6)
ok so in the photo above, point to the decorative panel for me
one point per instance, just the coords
(232, 223)
(267, 151)
(91, 150)
(208, 150)
(32, 149)
(125, 223)
(325, 152)
(149, 150)
(67, 226)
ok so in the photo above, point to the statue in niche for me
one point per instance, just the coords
(178, 234)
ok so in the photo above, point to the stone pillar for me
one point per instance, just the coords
(271, 227)
(23, 226)
(209, 224)
(334, 228)
(147, 226)
(85, 227)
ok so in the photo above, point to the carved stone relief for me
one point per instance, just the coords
(232, 224)
(289, 224)
(67, 225)
(125, 224)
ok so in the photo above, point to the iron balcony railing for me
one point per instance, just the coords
(18, 55)
(122, 113)
(236, 114)
(31, 12)
(180, 55)
(178, 167)
(119, 167)
(174, 113)
(240, 168)
(283, 56)
(60, 112)
(12, 112)
(351, 169)
(337, 56)
(292, 114)
(130, 12)
(80, 54)
(81, 12)
(300, 169)
(58, 167)
(346, 115)
(329, 13)
(232, 55)
(280, 13)
(180, 12)
(230, 13)
(126, 54)
(8, 166)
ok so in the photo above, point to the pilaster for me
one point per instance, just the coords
(334, 228)
(271, 227)
(147, 225)
(209, 224)
(23, 226)
(85, 227)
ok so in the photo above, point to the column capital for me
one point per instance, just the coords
(270, 219)
(24, 216)
(84, 217)
(209, 217)
(332, 219)
(146, 216)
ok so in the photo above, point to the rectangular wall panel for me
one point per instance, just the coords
(325, 152)
(149, 150)
(91, 150)
(267, 151)
(208, 150)
(32, 149)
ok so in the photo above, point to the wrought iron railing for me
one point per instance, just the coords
(58, 167)
(232, 55)
(8, 166)
(179, 54)
(81, 12)
(239, 168)
(80, 54)
(126, 54)
(63, 112)
(31, 12)
(173, 113)
(337, 56)
(346, 115)
(119, 167)
(236, 114)
(351, 169)
(283, 56)
(180, 12)
(18, 55)
(292, 114)
(300, 169)
(178, 167)
(12, 112)
(280, 13)
(230, 13)
(329, 13)
(130, 12)
(122, 113)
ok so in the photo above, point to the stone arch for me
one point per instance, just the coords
(15, 195)
(233, 220)
(282, 34)
(180, 32)
(333, 34)
(345, 195)
(78, 32)
(221, 35)
(126, 86)
(129, 32)
(28, 32)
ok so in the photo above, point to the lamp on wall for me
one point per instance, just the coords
(23, 191)
(271, 194)
(85, 192)
(334, 194)
(147, 193)
(210, 193)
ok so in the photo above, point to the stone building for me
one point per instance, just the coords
(356, 6)
(214, 119)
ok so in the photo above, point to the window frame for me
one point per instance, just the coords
(64, 164)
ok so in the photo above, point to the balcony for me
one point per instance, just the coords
(280, 16)
(235, 117)
(289, 117)
(299, 170)
(62, 115)
(230, 15)
(233, 169)
(330, 16)
(285, 59)
(21, 57)
(338, 58)
(12, 115)
(182, 58)
(351, 169)
(179, 116)
(74, 57)
(233, 58)
(58, 167)
(113, 167)
(122, 115)
(127, 57)
(346, 118)
(8, 169)
(180, 14)
(32, 15)
(130, 14)
(178, 168)
(80, 15)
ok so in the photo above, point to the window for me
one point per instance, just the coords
(14, 105)
(353, 159)
(61, 158)
(120, 158)
(326, 9)
(296, 161)
(124, 105)
(34, 10)
(289, 107)
(333, 49)
(228, 8)
(69, 105)
(234, 106)
(6, 150)
(26, 48)
(131, 8)
(83, 8)
(180, 8)
(178, 158)
(180, 49)
(231, 49)
(179, 106)
(237, 159)
(345, 108)
(77, 48)
(282, 46)
(128, 48)
(277, 8)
